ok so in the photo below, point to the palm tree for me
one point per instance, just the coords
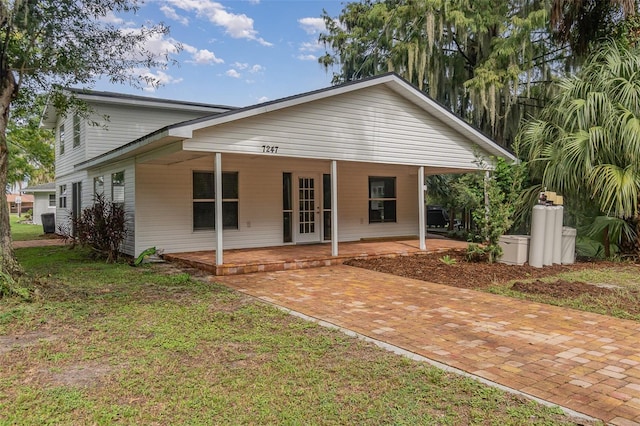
(586, 144)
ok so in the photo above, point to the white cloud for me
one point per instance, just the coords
(203, 56)
(312, 25)
(233, 73)
(240, 65)
(307, 57)
(153, 79)
(263, 99)
(111, 18)
(206, 57)
(170, 13)
(236, 25)
(312, 46)
(256, 68)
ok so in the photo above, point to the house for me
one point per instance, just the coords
(21, 202)
(44, 200)
(339, 164)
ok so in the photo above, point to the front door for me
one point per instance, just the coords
(308, 209)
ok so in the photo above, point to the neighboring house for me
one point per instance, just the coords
(44, 200)
(339, 164)
(26, 202)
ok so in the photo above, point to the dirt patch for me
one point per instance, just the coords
(463, 274)
(79, 375)
(16, 341)
(562, 289)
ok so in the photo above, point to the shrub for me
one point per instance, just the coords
(101, 227)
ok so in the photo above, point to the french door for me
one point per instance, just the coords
(307, 225)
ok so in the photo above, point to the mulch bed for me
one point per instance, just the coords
(463, 274)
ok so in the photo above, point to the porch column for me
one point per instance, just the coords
(334, 208)
(421, 209)
(218, 209)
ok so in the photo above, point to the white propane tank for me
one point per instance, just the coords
(557, 235)
(549, 229)
(536, 244)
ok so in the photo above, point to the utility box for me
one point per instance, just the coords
(568, 245)
(515, 249)
(48, 223)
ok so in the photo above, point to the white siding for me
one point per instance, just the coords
(125, 123)
(63, 215)
(374, 125)
(128, 123)
(129, 195)
(72, 155)
(164, 202)
(41, 206)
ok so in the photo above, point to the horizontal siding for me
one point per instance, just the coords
(128, 123)
(164, 202)
(72, 155)
(41, 206)
(129, 196)
(372, 125)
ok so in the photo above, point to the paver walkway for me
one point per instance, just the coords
(586, 362)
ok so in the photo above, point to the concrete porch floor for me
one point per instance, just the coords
(282, 258)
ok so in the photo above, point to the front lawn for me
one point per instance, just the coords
(25, 231)
(153, 345)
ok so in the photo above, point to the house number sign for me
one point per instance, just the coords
(270, 149)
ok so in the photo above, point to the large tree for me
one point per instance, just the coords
(490, 62)
(31, 149)
(46, 45)
(586, 143)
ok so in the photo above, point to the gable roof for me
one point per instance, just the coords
(50, 113)
(185, 130)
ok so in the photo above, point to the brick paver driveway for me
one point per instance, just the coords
(587, 362)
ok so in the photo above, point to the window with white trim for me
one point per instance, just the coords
(204, 200)
(76, 130)
(382, 199)
(98, 185)
(61, 136)
(62, 197)
(52, 200)
(117, 188)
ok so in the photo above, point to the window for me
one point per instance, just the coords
(62, 200)
(204, 200)
(61, 139)
(76, 130)
(52, 200)
(98, 185)
(382, 199)
(117, 188)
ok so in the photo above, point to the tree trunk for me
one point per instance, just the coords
(8, 263)
(606, 242)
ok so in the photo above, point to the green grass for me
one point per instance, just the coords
(25, 231)
(107, 344)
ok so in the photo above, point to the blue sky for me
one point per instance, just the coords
(238, 52)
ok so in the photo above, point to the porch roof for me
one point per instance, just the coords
(172, 136)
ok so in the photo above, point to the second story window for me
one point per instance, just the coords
(76, 130)
(61, 139)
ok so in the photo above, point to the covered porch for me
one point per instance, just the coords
(281, 258)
